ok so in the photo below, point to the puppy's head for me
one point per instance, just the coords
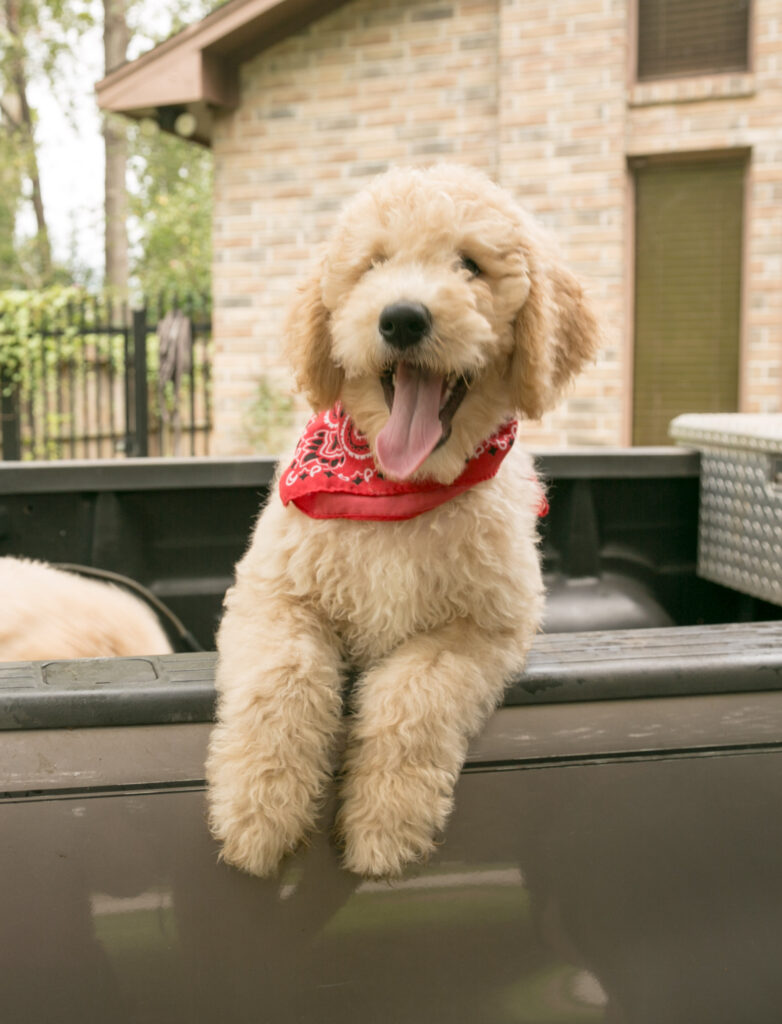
(438, 310)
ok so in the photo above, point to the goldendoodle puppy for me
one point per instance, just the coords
(401, 541)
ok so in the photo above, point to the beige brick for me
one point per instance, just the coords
(532, 91)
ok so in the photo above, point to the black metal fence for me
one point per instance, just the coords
(98, 380)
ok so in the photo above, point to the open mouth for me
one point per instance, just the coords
(421, 406)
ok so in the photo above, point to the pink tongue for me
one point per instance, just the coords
(414, 427)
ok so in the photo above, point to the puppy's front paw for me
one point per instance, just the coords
(376, 852)
(257, 812)
(389, 820)
(254, 845)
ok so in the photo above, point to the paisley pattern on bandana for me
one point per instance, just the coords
(332, 445)
(333, 474)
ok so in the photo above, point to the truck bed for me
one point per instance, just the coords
(613, 855)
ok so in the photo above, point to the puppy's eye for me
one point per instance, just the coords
(470, 266)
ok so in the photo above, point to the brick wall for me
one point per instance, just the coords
(561, 134)
(377, 83)
(533, 92)
(735, 112)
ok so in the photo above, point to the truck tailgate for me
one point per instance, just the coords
(613, 855)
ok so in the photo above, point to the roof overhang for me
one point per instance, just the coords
(197, 71)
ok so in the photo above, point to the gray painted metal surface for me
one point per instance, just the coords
(567, 667)
(134, 474)
(609, 860)
(244, 471)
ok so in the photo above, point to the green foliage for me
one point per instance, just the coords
(170, 186)
(270, 422)
(26, 320)
(11, 274)
(46, 346)
(170, 179)
(37, 37)
(171, 210)
(52, 341)
(65, 367)
(43, 34)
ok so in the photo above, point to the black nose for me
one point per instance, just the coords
(403, 323)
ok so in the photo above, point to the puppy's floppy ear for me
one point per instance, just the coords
(308, 344)
(555, 334)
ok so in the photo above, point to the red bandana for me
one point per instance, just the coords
(333, 474)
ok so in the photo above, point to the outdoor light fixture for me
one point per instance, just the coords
(185, 125)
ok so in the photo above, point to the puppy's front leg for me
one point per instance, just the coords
(415, 713)
(279, 684)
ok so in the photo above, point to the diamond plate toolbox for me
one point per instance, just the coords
(740, 525)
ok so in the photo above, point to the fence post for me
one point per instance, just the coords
(142, 390)
(9, 414)
(136, 393)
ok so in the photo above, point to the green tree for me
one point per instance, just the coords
(116, 37)
(169, 184)
(10, 201)
(171, 212)
(27, 53)
(170, 180)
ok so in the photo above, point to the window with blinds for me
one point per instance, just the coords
(692, 37)
(688, 237)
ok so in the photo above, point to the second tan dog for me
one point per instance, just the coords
(49, 614)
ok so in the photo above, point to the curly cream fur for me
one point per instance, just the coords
(433, 613)
(49, 614)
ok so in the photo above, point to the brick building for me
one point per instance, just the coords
(646, 134)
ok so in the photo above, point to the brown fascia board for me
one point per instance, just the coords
(178, 80)
(199, 66)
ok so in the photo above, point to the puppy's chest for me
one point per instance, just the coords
(378, 583)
